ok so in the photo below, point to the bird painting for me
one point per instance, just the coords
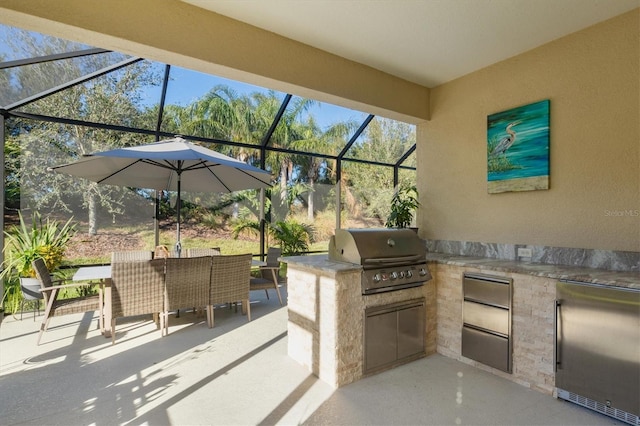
(506, 142)
(518, 148)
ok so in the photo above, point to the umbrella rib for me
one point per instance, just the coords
(117, 171)
(154, 163)
(216, 177)
(165, 164)
(210, 167)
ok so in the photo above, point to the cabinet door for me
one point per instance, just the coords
(411, 331)
(380, 339)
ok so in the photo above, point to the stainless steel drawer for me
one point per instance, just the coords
(486, 348)
(486, 320)
(489, 291)
(487, 317)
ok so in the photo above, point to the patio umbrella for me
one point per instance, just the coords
(171, 165)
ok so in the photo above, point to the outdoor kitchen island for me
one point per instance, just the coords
(326, 327)
(326, 317)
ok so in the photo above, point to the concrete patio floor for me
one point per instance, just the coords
(237, 373)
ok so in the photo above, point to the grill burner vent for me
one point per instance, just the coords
(391, 259)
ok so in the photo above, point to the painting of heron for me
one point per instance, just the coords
(518, 149)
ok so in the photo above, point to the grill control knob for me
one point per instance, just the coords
(376, 278)
(409, 273)
(401, 274)
(394, 275)
(423, 272)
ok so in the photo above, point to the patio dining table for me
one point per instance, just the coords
(102, 273)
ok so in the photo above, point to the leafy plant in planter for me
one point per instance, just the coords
(46, 239)
(403, 206)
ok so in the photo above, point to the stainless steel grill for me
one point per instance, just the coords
(391, 259)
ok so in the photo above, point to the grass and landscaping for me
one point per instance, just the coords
(85, 249)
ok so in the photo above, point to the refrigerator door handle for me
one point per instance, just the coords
(556, 353)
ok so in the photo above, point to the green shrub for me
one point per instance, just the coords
(43, 239)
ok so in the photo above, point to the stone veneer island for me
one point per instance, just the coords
(326, 316)
(326, 313)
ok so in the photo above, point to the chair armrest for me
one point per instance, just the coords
(58, 287)
(274, 268)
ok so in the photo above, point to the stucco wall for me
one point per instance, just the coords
(592, 79)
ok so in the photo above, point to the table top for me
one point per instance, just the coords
(92, 273)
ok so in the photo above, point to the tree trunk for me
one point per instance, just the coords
(310, 199)
(283, 180)
(92, 213)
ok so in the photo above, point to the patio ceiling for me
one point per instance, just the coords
(429, 42)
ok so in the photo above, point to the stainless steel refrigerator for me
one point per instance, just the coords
(598, 348)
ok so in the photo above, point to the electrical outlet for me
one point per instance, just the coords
(524, 252)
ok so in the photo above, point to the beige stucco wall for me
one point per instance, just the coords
(592, 79)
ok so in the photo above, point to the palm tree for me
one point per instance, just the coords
(312, 139)
(284, 136)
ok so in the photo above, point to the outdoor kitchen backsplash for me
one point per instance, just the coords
(623, 261)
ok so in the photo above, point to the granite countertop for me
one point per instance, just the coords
(558, 272)
(320, 261)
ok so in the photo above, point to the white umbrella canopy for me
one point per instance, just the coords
(164, 164)
(171, 165)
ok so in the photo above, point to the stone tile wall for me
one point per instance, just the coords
(623, 261)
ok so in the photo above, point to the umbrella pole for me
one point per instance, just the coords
(178, 205)
(156, 220)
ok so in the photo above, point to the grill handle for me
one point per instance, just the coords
(391, 260)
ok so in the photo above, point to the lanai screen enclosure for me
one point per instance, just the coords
(331, 166)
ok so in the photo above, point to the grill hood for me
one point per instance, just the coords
(391, 259)
(373, 247)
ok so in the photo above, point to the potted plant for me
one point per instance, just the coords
(403, 206)
(46, 239)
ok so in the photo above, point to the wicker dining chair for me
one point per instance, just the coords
(203, 251)
(57, 307)
(187, 282)
(131, 255)
(229, 282)
(137, 288)
(134, 256)
(268, 278)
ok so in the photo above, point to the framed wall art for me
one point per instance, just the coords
(518, 149)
